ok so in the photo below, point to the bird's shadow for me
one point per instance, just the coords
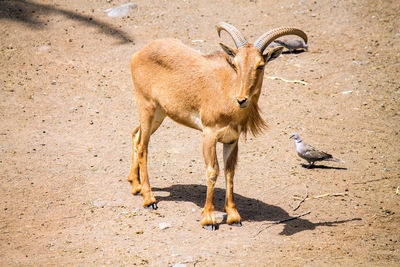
(250, 209)
(299, 51)
(306, 166)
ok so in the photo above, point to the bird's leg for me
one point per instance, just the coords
(310, 164)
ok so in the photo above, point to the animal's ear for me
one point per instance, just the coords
(271, 54)
(229, 50)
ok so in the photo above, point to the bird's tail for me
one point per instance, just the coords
(334, 159)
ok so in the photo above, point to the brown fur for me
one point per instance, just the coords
(253, 123)
(216, 94)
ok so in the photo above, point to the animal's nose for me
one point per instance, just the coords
(241, 101)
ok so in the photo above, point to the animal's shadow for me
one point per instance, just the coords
(322, 167)
(250, 209)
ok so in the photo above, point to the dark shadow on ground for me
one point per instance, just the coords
(322, 167)
(249, 208)
(35, 16)
(294, 52)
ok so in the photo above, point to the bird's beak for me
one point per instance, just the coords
(291, 136)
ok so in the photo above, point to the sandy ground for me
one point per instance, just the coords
(67, 111)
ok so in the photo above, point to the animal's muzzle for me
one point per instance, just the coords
(243, 102)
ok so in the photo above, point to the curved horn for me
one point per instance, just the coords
(264, 40)
(236, 35)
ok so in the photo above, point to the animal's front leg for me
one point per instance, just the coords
(230, 160)
(210, 158)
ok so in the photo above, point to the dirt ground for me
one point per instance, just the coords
(67, 112)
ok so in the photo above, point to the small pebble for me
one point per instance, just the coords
(163, 226)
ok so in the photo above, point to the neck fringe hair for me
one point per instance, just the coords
(254, 123)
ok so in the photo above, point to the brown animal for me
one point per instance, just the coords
(216, 94)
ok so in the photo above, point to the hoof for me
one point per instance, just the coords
(152, 206)
(233, 217)
(210, 227)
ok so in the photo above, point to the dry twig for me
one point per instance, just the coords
(302, 200)
(288, 81)
(321, 196)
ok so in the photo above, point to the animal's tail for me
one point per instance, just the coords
(334, 159)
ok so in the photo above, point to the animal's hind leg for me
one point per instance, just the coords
(149, 123)
(159, 117)
(134, 174)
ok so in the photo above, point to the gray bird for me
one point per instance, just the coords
(292, 44)
(311, 154)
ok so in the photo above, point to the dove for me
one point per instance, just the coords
(292, 44)
(311, 154)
